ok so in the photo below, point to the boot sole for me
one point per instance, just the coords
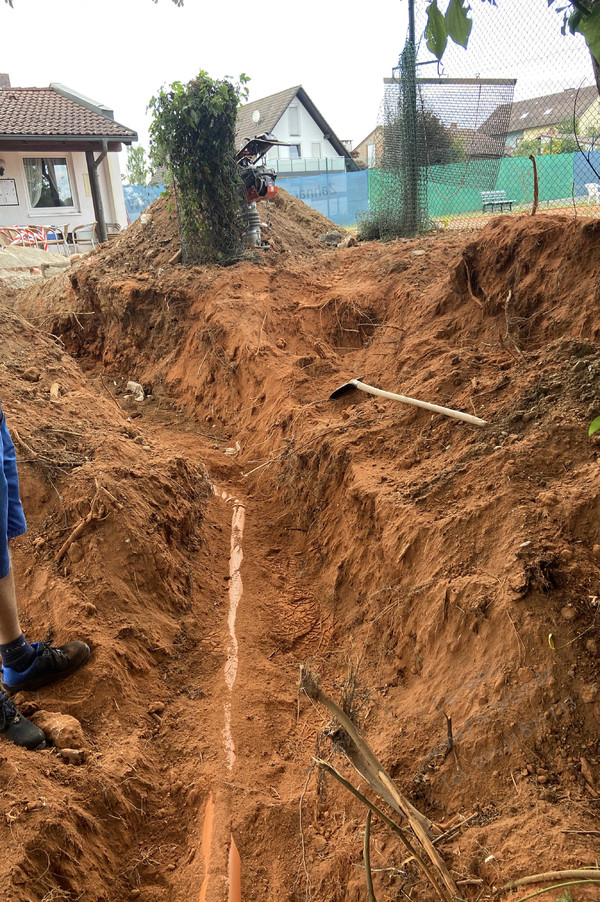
(38, 682)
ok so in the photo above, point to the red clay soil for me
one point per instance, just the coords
(421, 568)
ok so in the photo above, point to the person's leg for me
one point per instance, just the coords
(13, 726)
(15, 649)
(10, 628)
(24, 667)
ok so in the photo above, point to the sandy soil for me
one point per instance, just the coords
(244, 526)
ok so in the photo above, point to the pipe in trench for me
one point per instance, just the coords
(234, 867)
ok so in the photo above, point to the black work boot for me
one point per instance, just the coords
(17, 729)
(50, 664)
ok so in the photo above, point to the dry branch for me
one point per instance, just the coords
(96, 513)
(367, 857)
(389, 822)
(367, 764)
(585, 873)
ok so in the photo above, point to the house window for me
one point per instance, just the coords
(295, 152)
(48, 184)
(315, 149)
(294, 120)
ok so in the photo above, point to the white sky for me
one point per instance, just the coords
(119, 52)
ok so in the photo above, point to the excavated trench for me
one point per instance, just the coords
(422, 568)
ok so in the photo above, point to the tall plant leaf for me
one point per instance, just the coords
(436, 33)
(458, 24)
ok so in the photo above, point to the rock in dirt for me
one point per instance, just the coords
(589, 693)
(62, 730)
(136, 390)
(74, 756)
(333, 238)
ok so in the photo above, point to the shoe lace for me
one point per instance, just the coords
(55, 656)
(8, 713)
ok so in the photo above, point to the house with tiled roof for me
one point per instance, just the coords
(539, 118)
(312, 145)
(58, 159)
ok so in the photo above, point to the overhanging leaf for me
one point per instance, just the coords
(589, 27)
(436, 34)
(458, 24)
(594, 426)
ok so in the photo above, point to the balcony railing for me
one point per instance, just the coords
(307, 164)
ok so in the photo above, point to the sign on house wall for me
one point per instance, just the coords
(8, 193)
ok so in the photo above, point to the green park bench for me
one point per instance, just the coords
(495, 199)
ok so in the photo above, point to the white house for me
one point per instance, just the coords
(59, 160)
(292, 117)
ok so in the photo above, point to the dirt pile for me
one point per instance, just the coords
(423, 568)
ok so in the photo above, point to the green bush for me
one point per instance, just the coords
(193, 134)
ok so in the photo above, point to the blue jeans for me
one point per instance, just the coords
(12, 519)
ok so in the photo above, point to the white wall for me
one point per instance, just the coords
(83, 210)
(309, 134)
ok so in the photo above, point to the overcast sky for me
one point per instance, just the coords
(120, 52)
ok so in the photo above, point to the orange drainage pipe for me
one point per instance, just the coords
(236, 588)
(209, 816)
(234, 873)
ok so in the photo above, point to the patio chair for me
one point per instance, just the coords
(19, 235)
(35, 235)
(56, 236)
(112, 230)
(84, 237)
(593, 190)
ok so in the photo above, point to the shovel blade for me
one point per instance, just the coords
(344, 389)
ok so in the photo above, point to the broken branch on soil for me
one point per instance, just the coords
(367, 857)
(41, 458)
(469, 289)
(368, 765)
(390, 823)
(592, 874)
(110, 393)
(536, 187)
(96, 514)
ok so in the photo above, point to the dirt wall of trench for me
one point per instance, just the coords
(456, 568)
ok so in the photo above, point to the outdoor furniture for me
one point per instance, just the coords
(112, 230)
(23, 235)
(495, 199)
(56, 236)
(84, 236)
(593, 190)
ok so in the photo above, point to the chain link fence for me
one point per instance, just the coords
(454, 141)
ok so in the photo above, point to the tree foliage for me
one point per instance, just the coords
(137, 171)
(579, 16)
(534, 146)
(193, 134)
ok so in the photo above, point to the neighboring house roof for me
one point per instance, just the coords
(271, 110)
(372, 137)
(537, 112)
(58, 114)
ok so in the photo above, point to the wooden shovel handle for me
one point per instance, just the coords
(435, 408)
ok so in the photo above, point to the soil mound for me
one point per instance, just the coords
(441, 579)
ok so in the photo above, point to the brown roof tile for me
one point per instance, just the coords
(44, 112)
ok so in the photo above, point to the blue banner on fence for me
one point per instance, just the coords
(339, 196)
(138, 197)
(586, 171)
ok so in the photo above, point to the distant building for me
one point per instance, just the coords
(367, 152)
(292, 117)
(59, 160)
(539, 118)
